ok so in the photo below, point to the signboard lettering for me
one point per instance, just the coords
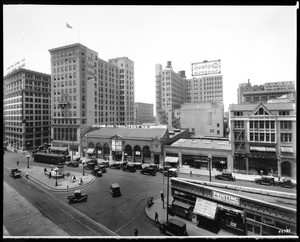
(205, 208)
(206, 68)
(226, 198)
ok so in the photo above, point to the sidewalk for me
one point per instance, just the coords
(64, 184)
(191, 227)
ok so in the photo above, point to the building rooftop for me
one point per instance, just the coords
(269, 106)
(142, 132)
(203, 144)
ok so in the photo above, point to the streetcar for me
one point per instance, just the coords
(54, 159)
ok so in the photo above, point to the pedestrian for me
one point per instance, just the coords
(67, 187)
(191, 173)
(17, 163)
(49, 174)
(156, 217)
(136, 232)
(45, 170)
(162, 199)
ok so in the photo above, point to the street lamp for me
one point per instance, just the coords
(56, 170)
(27, 161)
(209, 165)
(83, 165)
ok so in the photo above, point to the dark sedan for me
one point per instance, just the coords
(266, 180)
(225, 176)
(286, 183)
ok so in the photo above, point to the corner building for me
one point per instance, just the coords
(86, 90)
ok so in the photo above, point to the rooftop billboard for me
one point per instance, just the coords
(206, 68)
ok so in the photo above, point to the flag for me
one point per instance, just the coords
(68, 26)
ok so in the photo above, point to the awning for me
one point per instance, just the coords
(287, 149)
(53, 148)
(230, 209)
(205, 208)
(270, 149)
(171, 159)
(181, 204)
(90, 151)
(258, 148)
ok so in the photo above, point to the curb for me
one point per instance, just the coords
(59, 190)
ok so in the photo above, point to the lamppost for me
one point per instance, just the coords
(209, 158)
(56, 170)
(83, 166)
(27, 161)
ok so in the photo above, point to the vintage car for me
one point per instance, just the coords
(115, 190)
(225, 176)
(116, 165)
(148, 171)
(172, 172)
(97, 171)
(162, 169)
(105, 163)
(286, 183)
(90, 164)
(15, 172)
(154, 166)
(102, 167)
(265, 180)
(129, 167)
(77, 197)
(138, 165)
(72, 163)
(174, 226)
(78, 160)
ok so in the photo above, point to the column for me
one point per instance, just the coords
(152, 157)
(79, 150)
(122, 155)
(247, 165)
(229, 162)
(142, 156)
(279, 167)
(180, 158)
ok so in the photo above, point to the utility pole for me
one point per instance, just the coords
(168, 198)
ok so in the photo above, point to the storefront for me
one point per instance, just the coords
(216, 209)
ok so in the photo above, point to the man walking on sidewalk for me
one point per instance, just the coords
(162, 199)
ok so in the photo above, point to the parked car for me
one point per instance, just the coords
(129, 167)
(90, 165)
(115, 190)
(148, 171)
(138, 165)
(103, 168)
(72, 163)
(97, 171)
(78, 160)
(172, 172)
(286, 183)
(174, 226)
(77, 197)
(105, 163)
(265, 180)
(225, 176)
(116, 165)
(15, 172)
(164, 168)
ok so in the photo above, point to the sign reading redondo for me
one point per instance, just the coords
(226, 198)
(206, 68)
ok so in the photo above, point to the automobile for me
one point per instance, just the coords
(97, 171)
(103, 168)
(265, 180)
(164, 168)
(105, 163)
(90, 165)
(129, 167)
(174, 226)
(172, 172)
(77, 197)
(138, 165)
(154, 166)
(115, 190)
(78, 160)
(116, 165)
(225, 176)
(148, 171)
(15, 172)
(72, 163)
(286, 183)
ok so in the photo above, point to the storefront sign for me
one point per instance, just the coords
(226, 198)
(205, 208)
(116, 145)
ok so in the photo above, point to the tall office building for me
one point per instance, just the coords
(169, 94)
(143, 113)
(126, 87)
(26, 108)
(87, 90)
(263, 93)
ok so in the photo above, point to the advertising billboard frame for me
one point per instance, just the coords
(206, 68)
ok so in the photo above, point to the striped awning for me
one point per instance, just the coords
(181, 204)
(171, 159)
(258, 148)
(270, 149)
(53, 148)
(287, 149)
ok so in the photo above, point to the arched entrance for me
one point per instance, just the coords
(137, 153)
(286, 168)
(147, 154)
(128, 153)
(98, 150)
(106, 150)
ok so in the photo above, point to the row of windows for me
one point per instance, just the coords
(262, 137)
(262, 125)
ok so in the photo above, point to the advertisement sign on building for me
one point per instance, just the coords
(205, 208)
(116, 145)
(226, 198)
(15, 66)
(206, 68)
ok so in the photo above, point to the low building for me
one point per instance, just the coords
(263, 138)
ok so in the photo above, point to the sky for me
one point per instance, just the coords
(252, 42)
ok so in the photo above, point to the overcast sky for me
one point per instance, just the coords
(252, 42)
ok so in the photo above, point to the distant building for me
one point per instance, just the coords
(263, 93)
(144, 113)
(204, 119)
(263, 137)
(26, 108)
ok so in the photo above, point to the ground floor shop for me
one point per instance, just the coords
(214, 209)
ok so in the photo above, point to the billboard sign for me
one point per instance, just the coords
(205, 208)
(206, 68)
(15, 66)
